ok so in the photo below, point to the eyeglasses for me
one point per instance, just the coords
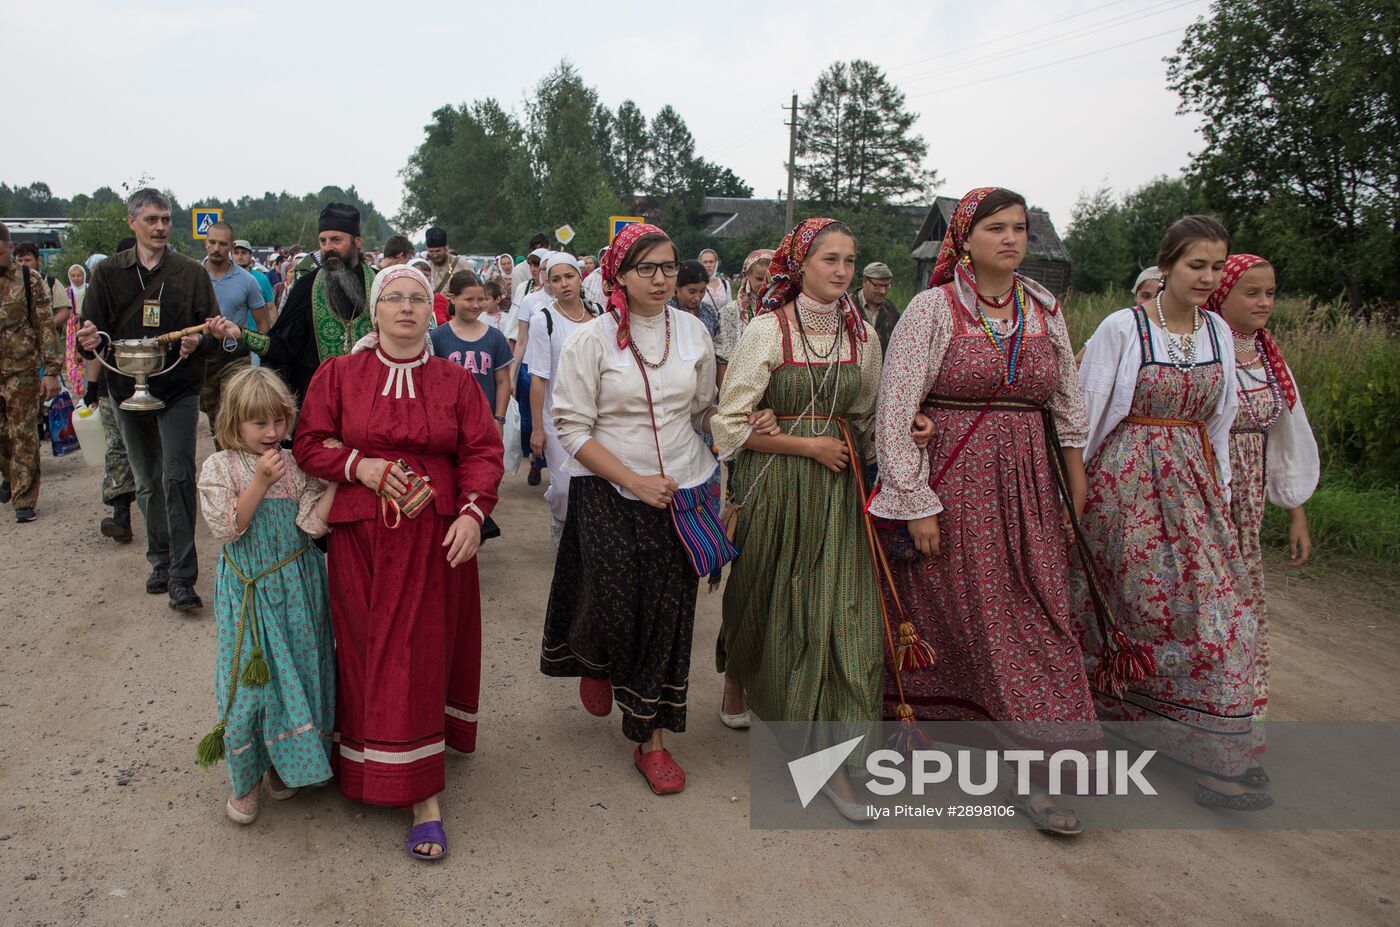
(398, 299)
(647, 269)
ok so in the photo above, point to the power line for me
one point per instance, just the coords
(1000, 38)
(1050, 41)
(743, 126)
(1038, 67)
(740, 143)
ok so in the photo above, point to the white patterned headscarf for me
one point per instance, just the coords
(381, 280)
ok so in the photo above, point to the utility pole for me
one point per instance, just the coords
(792, 159)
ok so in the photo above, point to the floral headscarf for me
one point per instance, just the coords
(613, 260)
(744, 295)
(1235, 267)
(955, 241)
(785, 273)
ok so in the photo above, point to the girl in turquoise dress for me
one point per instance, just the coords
(275, 677)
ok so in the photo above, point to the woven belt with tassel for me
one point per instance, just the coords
(211, 748)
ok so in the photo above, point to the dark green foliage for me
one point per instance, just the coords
(856, 147)
(1301, 107)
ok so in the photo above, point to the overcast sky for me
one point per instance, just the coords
(225, 100)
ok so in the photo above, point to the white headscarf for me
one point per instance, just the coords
(76, 293)
(382, 279)
(562, 258)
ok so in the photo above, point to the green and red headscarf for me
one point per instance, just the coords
(613, 259)
(1235, 267)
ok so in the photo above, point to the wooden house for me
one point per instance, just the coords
(1047, 260)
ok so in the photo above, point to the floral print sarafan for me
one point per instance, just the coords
(1157, 519)
(995, 603)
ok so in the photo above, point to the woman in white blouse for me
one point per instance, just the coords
(1179, 661)
(1273, 454)
(633, 390)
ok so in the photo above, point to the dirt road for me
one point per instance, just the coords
(106, 819)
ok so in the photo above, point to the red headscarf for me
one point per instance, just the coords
(785, 273)
(1235, 268)
(613, 259)
(955, 241)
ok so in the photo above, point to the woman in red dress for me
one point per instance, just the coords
(405, 602)
(985, 353)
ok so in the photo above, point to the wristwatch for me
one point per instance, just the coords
(500, 420)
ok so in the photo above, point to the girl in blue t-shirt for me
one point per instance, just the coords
(478, 347)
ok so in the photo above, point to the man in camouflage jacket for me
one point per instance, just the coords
(27, 339)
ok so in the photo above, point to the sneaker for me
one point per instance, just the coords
(4, 492)
(24, 515)
(183, 598)
(534, 478)
(158, 581)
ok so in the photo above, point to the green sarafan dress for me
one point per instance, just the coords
(802, 627)
(285, 722)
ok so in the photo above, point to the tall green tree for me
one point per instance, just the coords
(629, 144)
(1097, 241)
(1300, 102)
(569, 167)
(856, 146)
(672, 155)
(466, 177)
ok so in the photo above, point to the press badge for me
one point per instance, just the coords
(150, 313)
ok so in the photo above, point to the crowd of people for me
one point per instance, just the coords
(940, 513)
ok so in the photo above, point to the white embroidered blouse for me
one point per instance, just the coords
(599, 395)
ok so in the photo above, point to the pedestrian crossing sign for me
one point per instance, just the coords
(201, 219)
(618, 223)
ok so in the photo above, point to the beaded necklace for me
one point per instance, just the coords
(1269, 380)
(1018, 329)
(1182, 357)
(665, 353)
(1275, 399)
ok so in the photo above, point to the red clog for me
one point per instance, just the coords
(660, 771)
(596, 695)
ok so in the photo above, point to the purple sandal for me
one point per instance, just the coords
(427, 832)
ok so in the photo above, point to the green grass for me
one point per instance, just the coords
(1346, 520)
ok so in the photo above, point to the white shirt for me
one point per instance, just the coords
(599, 396)
(498, 322)
(593, 287)
(1109, 373)
(542, 353)
(528, 306)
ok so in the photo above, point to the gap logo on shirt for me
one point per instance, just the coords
(474, 361)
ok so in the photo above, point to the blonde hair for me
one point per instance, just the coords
(251, 394)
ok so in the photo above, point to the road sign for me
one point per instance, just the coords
(201, 219)
(618, 223)
(564, 234)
